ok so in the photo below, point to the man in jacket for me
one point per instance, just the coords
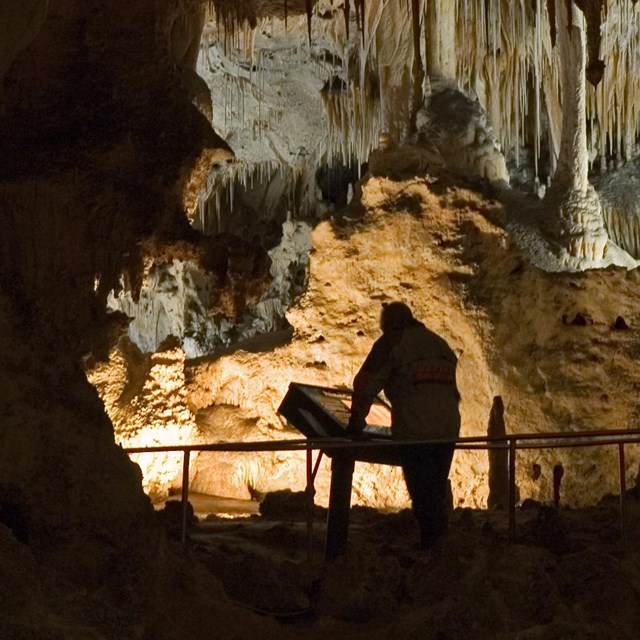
(417, 371)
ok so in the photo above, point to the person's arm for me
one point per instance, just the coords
(369, 381)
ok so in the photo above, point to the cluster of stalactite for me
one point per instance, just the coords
(528, 63)
(513, 61)
(505, 51)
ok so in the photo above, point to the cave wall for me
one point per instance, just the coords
(102, 147)
(548, 344)
(107, 144)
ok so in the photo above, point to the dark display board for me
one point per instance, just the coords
(323, 412)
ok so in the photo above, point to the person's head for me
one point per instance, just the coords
(395, 317)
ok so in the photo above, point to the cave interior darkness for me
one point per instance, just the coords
(204, 200)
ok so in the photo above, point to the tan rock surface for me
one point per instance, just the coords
(544, 342)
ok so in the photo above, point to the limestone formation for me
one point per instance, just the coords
(498, 459)
(215, 295)
(573, 216)
(455, 125)
(173, 253)
(620, 202)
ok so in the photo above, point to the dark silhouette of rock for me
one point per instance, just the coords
(620, 324)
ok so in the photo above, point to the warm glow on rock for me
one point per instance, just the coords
(448, 254)
(146, 400)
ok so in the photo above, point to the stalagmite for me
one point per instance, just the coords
(498, 459)
(573, 212)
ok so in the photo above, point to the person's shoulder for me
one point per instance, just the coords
(418, 330)
(380, 352)
(426, 335)
(386, 342)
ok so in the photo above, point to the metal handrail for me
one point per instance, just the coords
(510, 443)
(302, 444)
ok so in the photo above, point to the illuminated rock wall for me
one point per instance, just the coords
(530, 68)
(544, 342)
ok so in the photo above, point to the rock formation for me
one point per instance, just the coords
(574, 214)
(92, 164)
(137, 236)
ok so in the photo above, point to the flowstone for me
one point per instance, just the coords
(573, 221)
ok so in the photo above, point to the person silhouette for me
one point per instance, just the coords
(417, 371)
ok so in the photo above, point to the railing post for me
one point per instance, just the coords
(185, 494)
(310, 504)
(512, 490)
(623, 502)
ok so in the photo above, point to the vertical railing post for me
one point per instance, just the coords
(185, 495)
(310, 504)
(623, 491)
(512, 490)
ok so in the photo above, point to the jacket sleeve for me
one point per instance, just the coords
(369, 381)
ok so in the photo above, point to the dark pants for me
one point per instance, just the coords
(426, 470)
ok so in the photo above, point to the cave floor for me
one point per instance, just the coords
(562, 530)
(561, 562)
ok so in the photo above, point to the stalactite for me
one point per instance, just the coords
(537, 84)
(417, 71)
(222, 198)
(572, 165)
(309, 11)
(504, 50)
(440, 44)
(353, 123)
(415, 17)
(347, 17)
(487, 11)
(551, 12)
(522, 51)
(592, 10)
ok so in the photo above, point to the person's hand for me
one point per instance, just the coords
(355, 429)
